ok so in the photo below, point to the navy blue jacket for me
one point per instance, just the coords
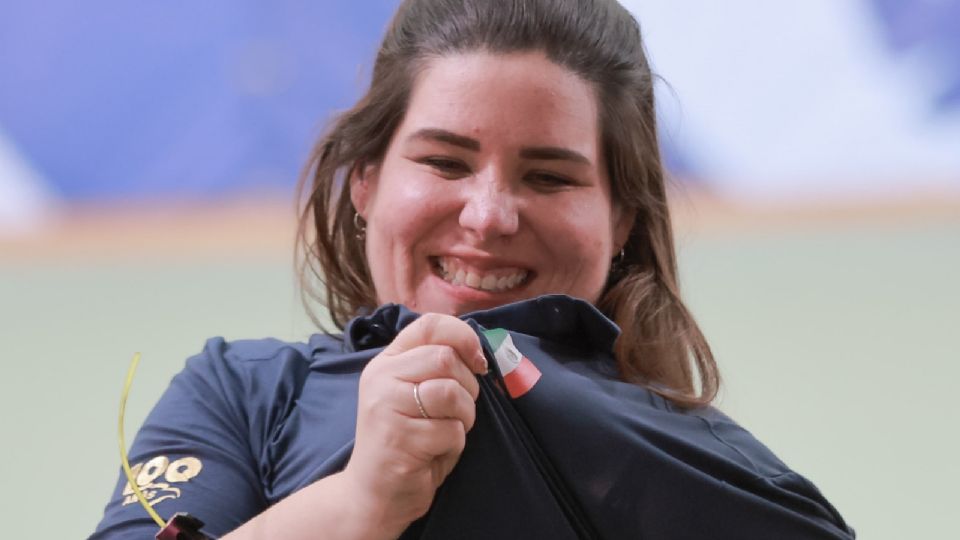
(579, 455)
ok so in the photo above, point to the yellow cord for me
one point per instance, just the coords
(123, 445)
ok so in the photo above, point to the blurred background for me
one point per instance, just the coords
(149, 153)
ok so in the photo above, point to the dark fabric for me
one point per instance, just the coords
(580, 455)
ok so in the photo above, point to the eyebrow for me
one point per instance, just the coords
(449, 137)
(549, 153)
(546, 153)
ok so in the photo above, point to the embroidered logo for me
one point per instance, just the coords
(519, 373)
(157, 478)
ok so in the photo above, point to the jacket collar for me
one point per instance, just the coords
(558, 318)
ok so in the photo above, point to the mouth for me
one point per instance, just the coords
(497, 280)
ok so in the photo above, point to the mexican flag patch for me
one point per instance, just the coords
(519, 373)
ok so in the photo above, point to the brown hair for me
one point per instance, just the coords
(661, 345)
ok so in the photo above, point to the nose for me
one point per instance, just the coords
(490, 209)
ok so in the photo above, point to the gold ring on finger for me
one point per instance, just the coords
(416, 397)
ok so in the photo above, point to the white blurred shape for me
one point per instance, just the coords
(25, 202)
(798, 98)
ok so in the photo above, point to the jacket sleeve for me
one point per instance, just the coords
(199, 450)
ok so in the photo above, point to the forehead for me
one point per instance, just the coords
(522, 98)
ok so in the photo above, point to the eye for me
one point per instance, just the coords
(547, 181)
(446, 167)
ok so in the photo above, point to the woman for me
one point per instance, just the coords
(505, 150)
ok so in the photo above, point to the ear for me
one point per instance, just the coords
(624, 219)
(363, 183)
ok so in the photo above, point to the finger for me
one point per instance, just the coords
(433, 362)
(441, 399)
(428, 440)
(439, 329)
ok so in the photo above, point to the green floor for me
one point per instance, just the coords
(838, 347)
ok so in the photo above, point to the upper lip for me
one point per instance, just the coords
(483, 261)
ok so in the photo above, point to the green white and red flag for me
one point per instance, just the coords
(519, 373)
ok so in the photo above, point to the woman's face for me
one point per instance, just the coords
(493, 189)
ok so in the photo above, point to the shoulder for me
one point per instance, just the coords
(212, 428)
(252, 352)
(729, 438)
(239, 359)
(248, 381)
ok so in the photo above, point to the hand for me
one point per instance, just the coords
(400, 458)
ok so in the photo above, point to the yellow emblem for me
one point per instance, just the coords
(158, 477)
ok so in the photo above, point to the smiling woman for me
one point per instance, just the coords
(544, 115)
(500, 194)
(490, 226)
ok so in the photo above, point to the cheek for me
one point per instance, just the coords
(586, 226)
(581, 242)
(409, 216)
(403, 198)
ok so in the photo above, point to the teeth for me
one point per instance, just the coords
(483, 281)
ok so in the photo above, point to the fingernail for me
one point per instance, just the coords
(483, 363)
